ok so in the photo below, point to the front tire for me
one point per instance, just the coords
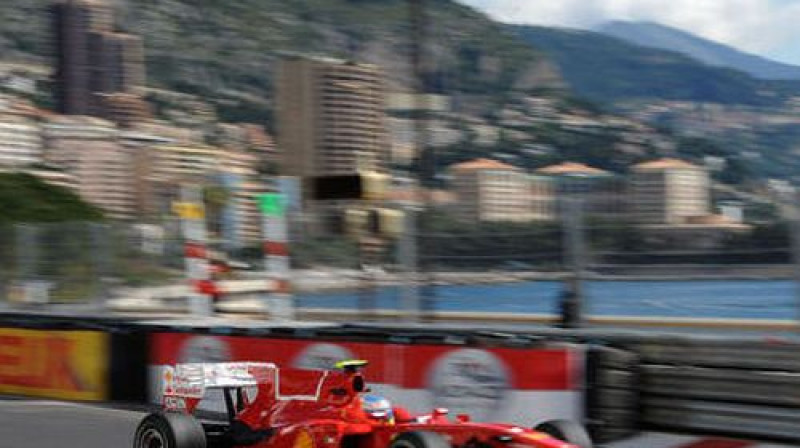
(419, 439)
(169, 430)
(568, 431)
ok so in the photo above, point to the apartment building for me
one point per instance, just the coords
(489, 190)
(21, 141)
(330, 117)
(669, 191)
(89, 150)
(601, 193)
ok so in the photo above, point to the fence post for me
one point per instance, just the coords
(101, 260)
(791, 212)
(572, 299)
(275, 233)
(193, 223)
(407, 253)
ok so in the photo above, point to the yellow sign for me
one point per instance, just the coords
(188, 210)
(68, 365)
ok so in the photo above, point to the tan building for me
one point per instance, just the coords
(544, 205)
(89, 149)
(330, 117)
(488, 190)
(20, 141)
(242, 217)
(184, 162)
(602, 193)
(56, 178)
(668, 191)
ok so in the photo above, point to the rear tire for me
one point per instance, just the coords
(567, 431)
(169, 430)
(419, 439)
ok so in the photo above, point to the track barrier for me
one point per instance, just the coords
(618, 384)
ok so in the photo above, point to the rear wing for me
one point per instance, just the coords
(184, 385)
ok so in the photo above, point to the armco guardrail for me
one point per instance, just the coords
(742, 388)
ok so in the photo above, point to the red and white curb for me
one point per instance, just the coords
(659, 440)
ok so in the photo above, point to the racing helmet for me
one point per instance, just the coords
(377, 408)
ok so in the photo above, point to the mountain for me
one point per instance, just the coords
(666, 38)
(608, 69)
(224, 51)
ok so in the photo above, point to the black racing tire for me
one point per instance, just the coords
(568, 431)
(419, 439)
(169, 430)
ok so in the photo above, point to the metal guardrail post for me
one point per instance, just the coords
(572, 300)
(408, 260)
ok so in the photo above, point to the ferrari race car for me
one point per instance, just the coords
(271, 407)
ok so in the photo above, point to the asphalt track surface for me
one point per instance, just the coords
(48, 424)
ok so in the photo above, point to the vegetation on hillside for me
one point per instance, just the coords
(24, 198)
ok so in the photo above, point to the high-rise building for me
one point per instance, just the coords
(330, 117)
(669, 191)
(488, 190)
(89, 149)
(92, 60)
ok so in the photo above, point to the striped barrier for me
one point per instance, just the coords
(275, 232)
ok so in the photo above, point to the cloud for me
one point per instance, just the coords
(758, 26)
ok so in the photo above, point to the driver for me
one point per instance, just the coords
(377, 408)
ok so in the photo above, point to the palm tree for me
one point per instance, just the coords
(215, 198)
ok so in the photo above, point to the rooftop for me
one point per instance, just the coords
(482, 164)
(568, 168)
(665, 164)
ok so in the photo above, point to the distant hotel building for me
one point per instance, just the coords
(488, 190)
(94, 63)
(602, 193)
(669, 191)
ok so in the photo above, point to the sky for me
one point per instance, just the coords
(769, 28)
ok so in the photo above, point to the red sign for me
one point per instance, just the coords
(407, 366)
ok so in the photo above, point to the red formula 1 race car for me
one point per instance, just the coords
(271, 407)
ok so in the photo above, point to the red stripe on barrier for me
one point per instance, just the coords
(194, 250)
(282, 287)
(276, 249)
(207, 287)
(718, 443)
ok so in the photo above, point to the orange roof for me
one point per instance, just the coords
(570, 168)
(482, 164)
(665, 164)
(710, 220)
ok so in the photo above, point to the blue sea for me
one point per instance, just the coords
(743, 299)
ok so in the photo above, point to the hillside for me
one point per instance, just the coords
(24, 198)
(654, 35)
(607, 69)
(225, 51)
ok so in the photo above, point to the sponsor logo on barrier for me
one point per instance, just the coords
(205, 349)
(69, 365)
(321, 356)
(469, 380)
